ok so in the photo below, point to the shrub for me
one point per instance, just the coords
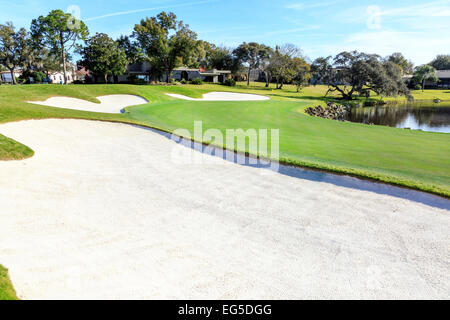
(230, 82)
(133, 79)
(197, 81)
(183, 81)
(39, 76)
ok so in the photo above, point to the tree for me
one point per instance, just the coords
(251, 54)
(425, 73)
(441, 62)
(405, 65)
(354, 72)
(282, 65)
(14, 47)
(131, 48)
(222, 58)
(102, 55)
(166, 42)
(302, 73)
(265, 66)
(60, 32)
(50, 62)
(387, 80)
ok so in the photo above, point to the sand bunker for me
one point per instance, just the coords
(102, 212)
(222, 96)
(108, 104)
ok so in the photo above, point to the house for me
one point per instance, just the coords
(139, 70)
(444, 80)
(214, 76)
(257, 76)
(143, 71)
(5, 76)
(58, 76)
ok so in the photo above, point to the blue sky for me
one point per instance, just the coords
(418, 29)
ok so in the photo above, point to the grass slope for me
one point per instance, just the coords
(7, 291)
(408, 158)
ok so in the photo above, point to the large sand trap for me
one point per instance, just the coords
(108, 104)
(222, 96)
(100, 211)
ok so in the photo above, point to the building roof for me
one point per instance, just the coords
(443, 74)
(204, 72)
(209, 74)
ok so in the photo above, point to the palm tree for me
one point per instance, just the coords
(424, 73)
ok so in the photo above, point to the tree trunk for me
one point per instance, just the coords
(63, 58)
(423, 85)
(106, 79)
(168, 76)
(248, 76)
(13, 77)
(266, 74)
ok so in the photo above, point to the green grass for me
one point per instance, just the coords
(408, 158)
(7, 291)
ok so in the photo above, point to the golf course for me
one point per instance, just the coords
(105, 203)
(407, 158)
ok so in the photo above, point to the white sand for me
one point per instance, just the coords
(108, 104)
(222, 96)
(101, 212)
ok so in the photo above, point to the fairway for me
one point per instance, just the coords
(408, 158)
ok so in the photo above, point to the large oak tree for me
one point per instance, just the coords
(351, 73)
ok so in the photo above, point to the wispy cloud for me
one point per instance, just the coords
(295, 30)
(429, 10)
(121, 13)
(310, 5)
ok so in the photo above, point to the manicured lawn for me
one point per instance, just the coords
(7, 291)
(408, 158)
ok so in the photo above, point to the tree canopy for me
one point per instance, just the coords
(131, 48)
(166, 42)
(102, 56)
(287, 63)
(441, 62)
(60, 32)
(252, 54)
(354, 72)
(14, 47)
(399, 60)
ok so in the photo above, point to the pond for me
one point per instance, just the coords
(424, 116)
